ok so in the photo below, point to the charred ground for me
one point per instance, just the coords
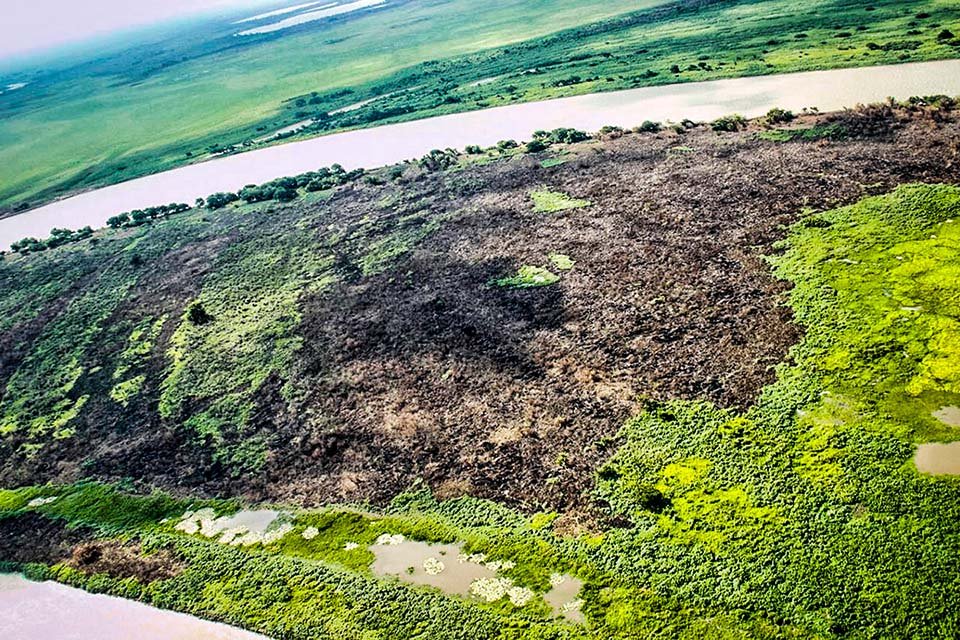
(412, 365)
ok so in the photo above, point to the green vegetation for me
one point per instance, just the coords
(546, 201)
(57, 237)
(561, 261)
(194, 97)
(818, 132)
(528, 276)
(236, 335)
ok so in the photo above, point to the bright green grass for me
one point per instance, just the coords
(527, 277)
(100, 130)
(546, 201)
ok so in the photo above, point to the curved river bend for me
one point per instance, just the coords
(826, 90)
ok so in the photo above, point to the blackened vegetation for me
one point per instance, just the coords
(423, 370)
(33, 538)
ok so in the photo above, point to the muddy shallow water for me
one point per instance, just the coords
(52, 611)
(938, 458)
(448, 568)
(827, 90)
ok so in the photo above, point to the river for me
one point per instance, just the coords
(52, 611)
(378, 146)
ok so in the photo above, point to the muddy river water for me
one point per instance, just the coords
(826, 90)
(52, 611)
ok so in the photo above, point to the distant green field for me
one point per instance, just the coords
(121, 122)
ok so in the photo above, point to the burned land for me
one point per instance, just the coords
(394, 355)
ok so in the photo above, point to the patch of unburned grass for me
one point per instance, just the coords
(546, 201)
(527, 277)
(561, 261)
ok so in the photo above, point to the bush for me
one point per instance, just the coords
(648, 126)
(473, 149)
(118, 221)
(609, 131)
(438, 160)
(197, 315)
(730, 123)
(561, 135)
(779, 116)
(534, 146)
(507, 144)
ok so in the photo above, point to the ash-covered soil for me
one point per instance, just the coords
(428, 372)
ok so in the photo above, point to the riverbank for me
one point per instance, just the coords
(825, 90)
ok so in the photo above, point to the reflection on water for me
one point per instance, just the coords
(52, 611)
(393, 143)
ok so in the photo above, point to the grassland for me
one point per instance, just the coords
(351, 357)
(81, 132)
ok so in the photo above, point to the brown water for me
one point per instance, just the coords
(563, 598)
(380, 146)
(446, 567)
(52, 611)
(948, 415)
(938, 458)
(406, 561)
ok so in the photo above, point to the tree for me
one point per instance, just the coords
(220, 200)
(119, 220)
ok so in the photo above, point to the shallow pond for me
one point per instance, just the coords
(948, 415)
(52, 611)
(448, 568)
(384, 145)
(938, 458)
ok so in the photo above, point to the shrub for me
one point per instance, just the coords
(534, 146)
(118, 221)
(507, 144)
(648, 126)
(197, 315)
(730, 123)
(609, 131)
(779, 116)
(561, 135)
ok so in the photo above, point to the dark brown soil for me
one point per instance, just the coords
(33, 538)
(516, 395)
(426, 371)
